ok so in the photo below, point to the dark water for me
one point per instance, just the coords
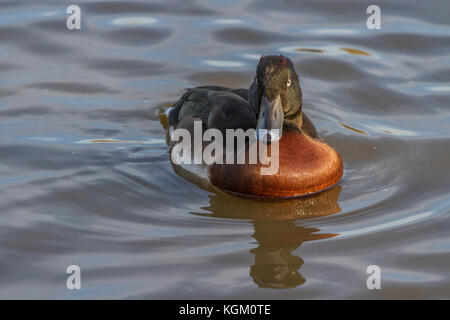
(85, 176)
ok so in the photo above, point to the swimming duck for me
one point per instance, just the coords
(274, 101)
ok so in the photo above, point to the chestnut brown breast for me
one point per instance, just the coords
(306, 166)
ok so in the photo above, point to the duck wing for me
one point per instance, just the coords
(198, 103)
(230, 111)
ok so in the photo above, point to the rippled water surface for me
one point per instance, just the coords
(85, 175)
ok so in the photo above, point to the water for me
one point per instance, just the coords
(85, 176)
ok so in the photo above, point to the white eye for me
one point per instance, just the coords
(289, 82)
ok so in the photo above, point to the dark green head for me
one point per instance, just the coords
(275, 94)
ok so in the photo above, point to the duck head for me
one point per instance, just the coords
(276, 97)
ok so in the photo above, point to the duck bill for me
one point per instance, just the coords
(270, 121)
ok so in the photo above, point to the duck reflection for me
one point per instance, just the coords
(277, 231)
(275, 264)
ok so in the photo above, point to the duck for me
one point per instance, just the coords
(273, 102)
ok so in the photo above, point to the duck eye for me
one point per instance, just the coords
(289, 82)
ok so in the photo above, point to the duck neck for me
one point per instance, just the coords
(293, 123)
